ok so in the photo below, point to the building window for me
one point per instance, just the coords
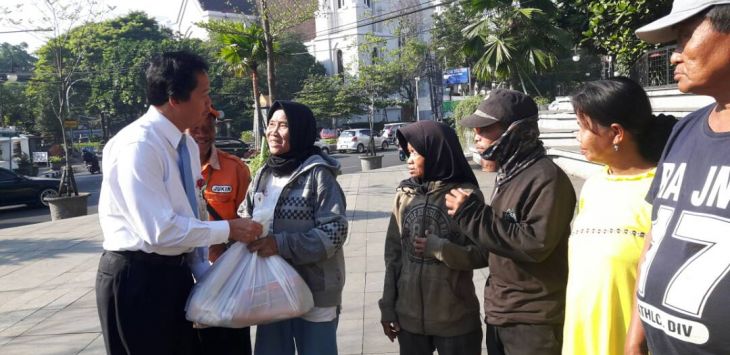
(340, 3)
(367, 3)
(374, 55)
(340, 66)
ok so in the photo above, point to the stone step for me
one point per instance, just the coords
(572, 161)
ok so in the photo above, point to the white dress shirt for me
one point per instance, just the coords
(143, 205)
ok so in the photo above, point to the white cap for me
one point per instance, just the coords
(662, 29)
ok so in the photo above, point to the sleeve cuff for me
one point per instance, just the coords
(387, 314)
(280, 239)
(219, 232)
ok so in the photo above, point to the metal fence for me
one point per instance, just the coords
(654, 69)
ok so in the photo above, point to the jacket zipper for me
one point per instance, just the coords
(420, 268)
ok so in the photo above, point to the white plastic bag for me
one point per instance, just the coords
(242, 289)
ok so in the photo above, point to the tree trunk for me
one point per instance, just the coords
(257, 119)
(270, 70)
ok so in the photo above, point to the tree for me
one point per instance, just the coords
(611, 25)
(449, 38)
(330, 98)
(243, 50)
(294, 65)
(516, 41)
(59, 63)
(14, 106)
(15, 58)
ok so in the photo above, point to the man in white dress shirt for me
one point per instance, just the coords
(147, 211)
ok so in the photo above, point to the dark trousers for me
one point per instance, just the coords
(524, 339)
(141, 302)
(225, 341)
(418, 344)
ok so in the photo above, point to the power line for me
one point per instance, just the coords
(378, 16)
(31, 30)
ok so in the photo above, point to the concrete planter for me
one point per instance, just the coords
(68, 206)
(368, 162)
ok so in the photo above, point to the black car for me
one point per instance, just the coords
(17, 189)
(232, 146)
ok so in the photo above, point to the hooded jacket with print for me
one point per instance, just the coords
(424, 294)
(309, 225)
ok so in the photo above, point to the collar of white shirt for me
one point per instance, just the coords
(165, 127)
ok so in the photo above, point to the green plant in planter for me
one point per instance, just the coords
(55, 159)
(247, 136)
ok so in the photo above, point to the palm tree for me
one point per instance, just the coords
(243, 50)
(515, 42)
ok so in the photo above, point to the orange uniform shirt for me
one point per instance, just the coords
(227, 179)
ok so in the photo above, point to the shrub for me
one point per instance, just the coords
(465, 108)
(247, 136)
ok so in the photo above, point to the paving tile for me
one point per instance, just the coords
(355, 282)
(352, 306)
(374, 281)
(370, 305)
(349, 336)
(375, 341)
(375, 263)
(28, 322)
(95, 348)
(48, 344)
(69, 320)
(356, 264)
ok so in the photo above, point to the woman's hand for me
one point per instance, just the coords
(391, 329)
(454, 199)
(264, 246)
(215, 252)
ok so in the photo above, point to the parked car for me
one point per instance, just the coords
(18, 189)
(358, 140)
(561, 103)
(232, 146)
(389, 130)
(325, 147)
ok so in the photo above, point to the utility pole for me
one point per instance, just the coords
(270, 71)
(418, 114)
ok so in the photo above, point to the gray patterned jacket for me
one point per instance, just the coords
(310, 225)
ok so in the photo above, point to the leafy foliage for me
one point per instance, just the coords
(515, 41)
(611, 26)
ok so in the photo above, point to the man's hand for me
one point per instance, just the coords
(454, 199)
(391, 330)
(244, 230)
(264, 246)
(215, 252)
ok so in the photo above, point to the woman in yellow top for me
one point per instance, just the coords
(617, 130)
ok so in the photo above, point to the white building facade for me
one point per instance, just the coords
(342, 27)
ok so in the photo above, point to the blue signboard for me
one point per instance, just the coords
(456, 76)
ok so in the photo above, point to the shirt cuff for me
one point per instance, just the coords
(219, 232)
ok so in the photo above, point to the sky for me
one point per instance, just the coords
(165, 11)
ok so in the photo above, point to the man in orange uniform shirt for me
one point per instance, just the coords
(225, 179)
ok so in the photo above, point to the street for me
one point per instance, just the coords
(21, 216)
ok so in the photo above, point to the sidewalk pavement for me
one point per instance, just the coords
(47, 274)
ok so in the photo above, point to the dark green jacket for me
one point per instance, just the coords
(424, 294)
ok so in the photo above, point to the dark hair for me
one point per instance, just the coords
(719, 16)
(173, 75)
(622, 101)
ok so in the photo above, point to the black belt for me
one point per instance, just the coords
(152, 258)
